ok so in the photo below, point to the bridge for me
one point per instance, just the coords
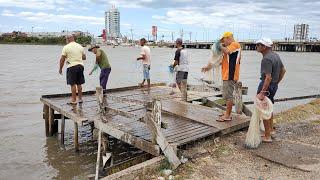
(250, 45)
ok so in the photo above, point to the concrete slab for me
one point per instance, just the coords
(300, 156)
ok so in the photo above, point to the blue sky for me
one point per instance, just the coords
(202, 19)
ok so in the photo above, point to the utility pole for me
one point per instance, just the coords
(172, 36)
(181, 33)
(131, 35)
(190, 34)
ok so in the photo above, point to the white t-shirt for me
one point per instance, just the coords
(182, 56)
(145, 50)
(73, 52)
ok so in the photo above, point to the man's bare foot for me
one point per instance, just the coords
(141, 85)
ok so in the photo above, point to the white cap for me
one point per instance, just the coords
(265, 41)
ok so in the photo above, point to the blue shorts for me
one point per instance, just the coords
(272, 89)
(146, 71)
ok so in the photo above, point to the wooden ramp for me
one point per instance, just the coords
(125, 111)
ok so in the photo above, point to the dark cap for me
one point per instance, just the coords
(92, 46)
(179, 41)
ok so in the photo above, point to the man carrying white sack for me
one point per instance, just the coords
(272, 72)
(215, 65)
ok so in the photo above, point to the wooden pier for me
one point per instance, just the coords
(151, 120)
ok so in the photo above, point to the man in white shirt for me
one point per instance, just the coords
(146, 61)
(74, 54)
(181, 60)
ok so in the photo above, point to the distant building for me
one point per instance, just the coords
(301, 32)
(112, 23)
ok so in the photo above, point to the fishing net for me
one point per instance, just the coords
(262, 110)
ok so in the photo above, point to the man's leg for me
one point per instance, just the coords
(79, 88)
(227, 93)
(272, 131)
(73, 93)
(142, 83)
(267, 130)
(148, 80)
(229, 104)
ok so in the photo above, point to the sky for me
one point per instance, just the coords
(197, 19)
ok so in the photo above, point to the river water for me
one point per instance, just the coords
(29, 71)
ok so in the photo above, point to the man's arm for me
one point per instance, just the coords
(175, 63)
(143, 56)
(225, 50)
(282, 72)
(209, 65)
(62, 60)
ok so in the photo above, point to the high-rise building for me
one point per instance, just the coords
(112, 23)
(301, 32)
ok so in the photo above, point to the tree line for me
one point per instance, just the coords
(84, 40)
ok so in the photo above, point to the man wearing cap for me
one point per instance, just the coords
(272, 72)
(74, 54)
(145, 56)
(230, 71)
(103, 63)
(181, 61)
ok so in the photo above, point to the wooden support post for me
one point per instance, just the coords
(184, 94)
(238, 97)
(63, 121)
(98, 156)
(46, 118)
(101, 100)
(51, 119)
(76, 139)
(155, 128)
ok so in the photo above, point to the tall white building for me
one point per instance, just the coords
(112, 18)
(301, 32)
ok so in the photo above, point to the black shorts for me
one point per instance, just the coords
(75, 75)
(181, 75)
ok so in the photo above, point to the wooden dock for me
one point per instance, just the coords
(136, 116)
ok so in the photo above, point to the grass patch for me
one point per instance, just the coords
(300, 112)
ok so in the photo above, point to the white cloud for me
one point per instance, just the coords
(45, 17)
(30, 4)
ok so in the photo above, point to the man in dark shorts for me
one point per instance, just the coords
(74, 54)
(103, 63)
(272, 72)
(181, 60)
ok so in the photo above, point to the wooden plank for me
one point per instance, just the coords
(184, 93)
(98, 156)
(51, 119)
(194, 138)
(153, 122)
(237, 96)
(190, 135)
(63, 121)
(134, 171)
(127, 137)
(203, 115)
(246, 111)
(75, 136)
(93, 92)
(70, 114)
(46, 118)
